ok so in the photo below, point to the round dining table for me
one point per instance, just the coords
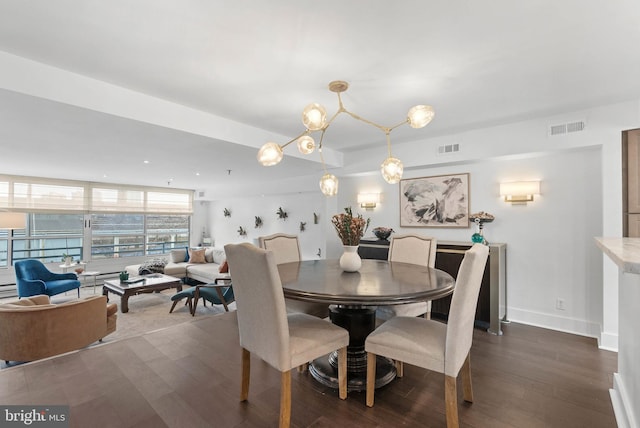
(353, 298)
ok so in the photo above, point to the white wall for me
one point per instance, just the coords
(299, 207)
(550, 249)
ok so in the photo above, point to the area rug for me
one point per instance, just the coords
(150, 311)
(147, 312)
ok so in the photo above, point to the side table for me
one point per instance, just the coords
(94, 274)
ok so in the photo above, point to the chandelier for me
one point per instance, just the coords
(314, 118)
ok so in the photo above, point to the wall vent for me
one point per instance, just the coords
(566, 128)
(448, 149)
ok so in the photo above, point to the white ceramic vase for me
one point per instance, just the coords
(350, 260)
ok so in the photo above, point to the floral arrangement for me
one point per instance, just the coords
(350, 229)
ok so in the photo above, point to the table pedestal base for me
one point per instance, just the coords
(359, 322)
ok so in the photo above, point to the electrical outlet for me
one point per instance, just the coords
(560, 304)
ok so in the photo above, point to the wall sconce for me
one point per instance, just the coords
(10, 220)
(519, 192)
(368, 200)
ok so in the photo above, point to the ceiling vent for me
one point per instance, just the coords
(448, 149)
(566, 128)
(200, 195)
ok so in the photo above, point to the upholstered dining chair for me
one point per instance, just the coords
(443, 348)
(282, 340)
(286, 249)
(417, 250)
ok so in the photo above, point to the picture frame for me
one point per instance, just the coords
(437, 201)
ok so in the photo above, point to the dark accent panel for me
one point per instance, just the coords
(448, 259)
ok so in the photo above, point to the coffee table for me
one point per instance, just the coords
(149, 283)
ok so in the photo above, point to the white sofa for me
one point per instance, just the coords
(177, 266)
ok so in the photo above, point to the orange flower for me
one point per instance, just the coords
(350, 229)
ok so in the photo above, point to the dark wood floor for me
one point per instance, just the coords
(189, 376)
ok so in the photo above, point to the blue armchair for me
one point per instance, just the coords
(33, 278)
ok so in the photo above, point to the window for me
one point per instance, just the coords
(91, 220)
(117, 235)
(165, 232)
(49, 236)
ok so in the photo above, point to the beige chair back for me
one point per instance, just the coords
(414, 249)
(463, 308)
(286, 248)
(262, 316)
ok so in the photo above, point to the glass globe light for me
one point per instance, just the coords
(270, 154)
(391, 170)
(306, 145)
(329, 184)
(420, 116)
(314, 116)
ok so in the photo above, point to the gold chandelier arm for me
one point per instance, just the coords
(322, 138)
(307, 132)
(342, 109)
(324, 166)
(388, 142)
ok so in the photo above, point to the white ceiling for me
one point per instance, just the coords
(478, 62)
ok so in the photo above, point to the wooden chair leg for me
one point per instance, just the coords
(246, 370)
(221, 298)
(342, 373)
(371, 378)
(467, 386)
(175, 302)
(399, 368)
(285, 399)
(451, 401)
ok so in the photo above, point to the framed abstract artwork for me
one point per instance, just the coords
(438, 201)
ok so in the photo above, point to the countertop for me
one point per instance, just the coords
(625, 252)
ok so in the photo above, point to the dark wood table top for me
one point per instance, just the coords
(378, 282)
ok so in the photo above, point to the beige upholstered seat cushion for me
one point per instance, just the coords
(283, 341)
(311, 337)
(430, 344)
(412, 340)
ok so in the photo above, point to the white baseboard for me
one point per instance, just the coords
(621, 404)
(555, 322)
(608, 342)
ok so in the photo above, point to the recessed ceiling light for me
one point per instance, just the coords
(145, 161)
(197, 173)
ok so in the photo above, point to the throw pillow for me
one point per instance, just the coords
(224, 267)
(208, 255)
(196, 255)
(178, 255)
(152, 266)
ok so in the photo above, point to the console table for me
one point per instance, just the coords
(449, 254)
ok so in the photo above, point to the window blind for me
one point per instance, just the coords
(42, 195)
